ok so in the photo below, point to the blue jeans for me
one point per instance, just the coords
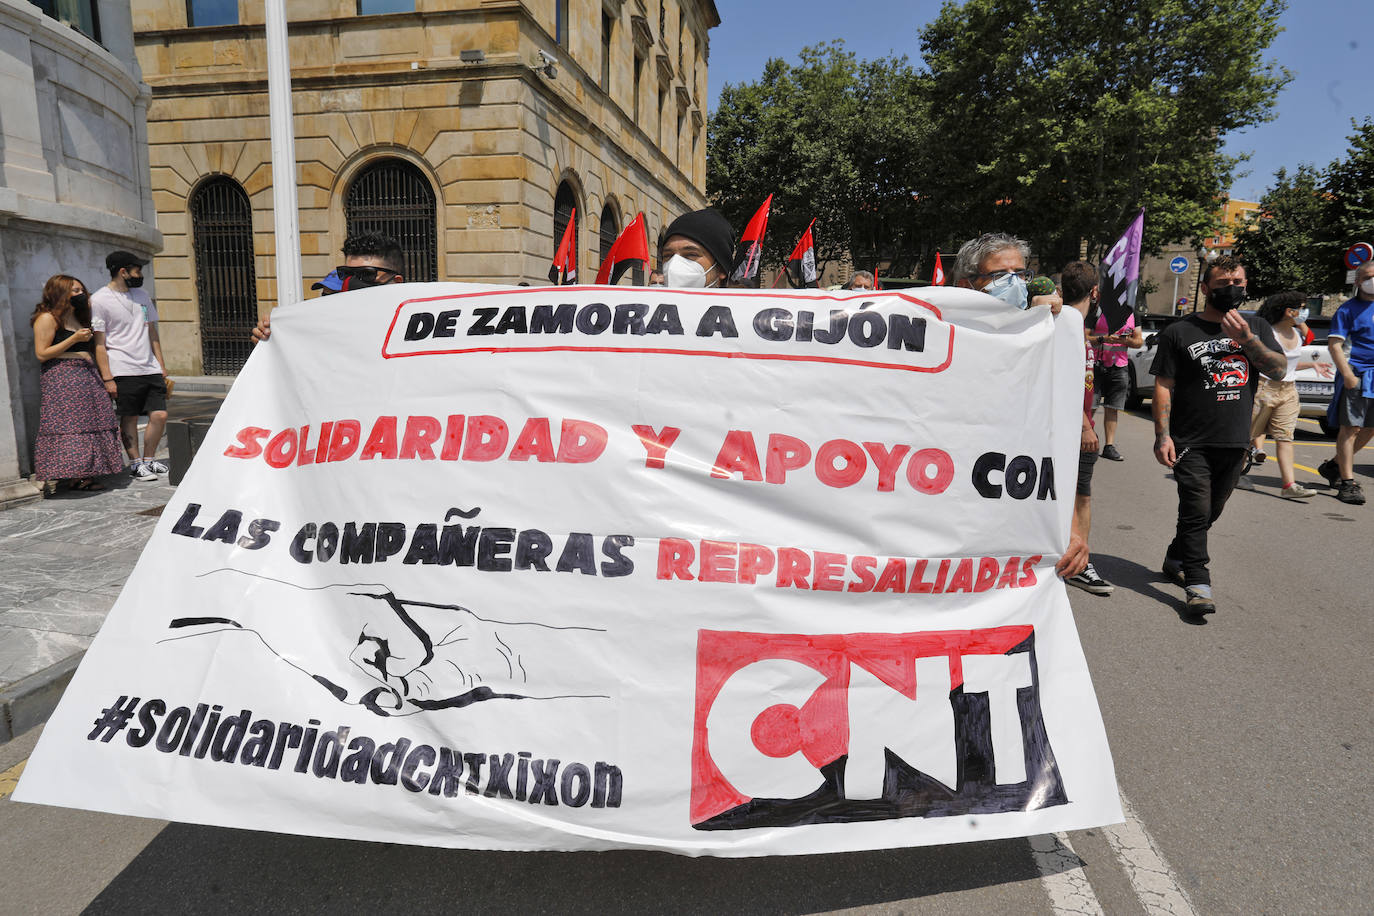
(1205, 477)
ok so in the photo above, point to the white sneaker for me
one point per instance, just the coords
(141, 471)
(1296, 491)
(157, 467)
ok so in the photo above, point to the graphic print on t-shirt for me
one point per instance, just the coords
(1223, 366)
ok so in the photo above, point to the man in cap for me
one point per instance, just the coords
(698, 250)
(128, 353)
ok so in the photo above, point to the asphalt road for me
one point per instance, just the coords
(1242, 745)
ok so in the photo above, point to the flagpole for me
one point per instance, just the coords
(283, 138)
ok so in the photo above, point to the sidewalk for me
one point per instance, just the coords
(65, 560)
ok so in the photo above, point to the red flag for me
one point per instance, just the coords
(746, 266)
(630, 247)
(801, 264)
(565, 259)
(939, 278)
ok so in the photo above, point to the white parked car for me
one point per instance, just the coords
(1314, 391)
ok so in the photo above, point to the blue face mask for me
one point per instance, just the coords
(1011, 289)
(1302, 315)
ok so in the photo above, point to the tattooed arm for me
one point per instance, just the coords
(1161, 405)
(1271, 363)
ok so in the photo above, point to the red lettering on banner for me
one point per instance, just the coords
(420, 436)
(535, 441)
(738, 454)
(486, 438)
(381, 442)
(580, 441)
(250, 444)
(786, 453)
(656, 445)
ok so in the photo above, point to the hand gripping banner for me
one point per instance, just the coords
(713, 572)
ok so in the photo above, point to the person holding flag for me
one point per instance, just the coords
(698, 249)
(1114, 330)
(630, 249)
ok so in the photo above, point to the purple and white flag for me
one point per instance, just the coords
(1121, 274)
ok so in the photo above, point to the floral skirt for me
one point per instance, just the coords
(78, 435)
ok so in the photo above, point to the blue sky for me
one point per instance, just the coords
(1328, 47)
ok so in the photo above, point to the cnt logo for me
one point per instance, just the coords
(795, 729)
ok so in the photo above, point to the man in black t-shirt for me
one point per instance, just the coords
(1206, 370)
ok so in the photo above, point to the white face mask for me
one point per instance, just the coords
(683, 273)
(1367, 286)
(1010, 288)
(1302, 315)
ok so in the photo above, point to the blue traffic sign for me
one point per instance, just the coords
(1358, 254)
(1179, 264)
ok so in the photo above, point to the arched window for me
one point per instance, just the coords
(226, 283)
(393, 197)
(564, 202)
(610, 228)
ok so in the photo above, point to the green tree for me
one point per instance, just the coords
(1292, 245)
(1350, 182)
(1057, 119)
(831, 138)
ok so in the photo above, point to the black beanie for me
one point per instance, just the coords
(709, 229)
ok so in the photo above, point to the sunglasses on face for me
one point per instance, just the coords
(357, 277)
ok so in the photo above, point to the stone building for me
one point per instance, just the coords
(74, 180)
(469, 129)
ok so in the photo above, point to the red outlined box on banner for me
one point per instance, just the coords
(835, 329)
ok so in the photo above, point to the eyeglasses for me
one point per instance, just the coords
(364, 276)
(996, 275)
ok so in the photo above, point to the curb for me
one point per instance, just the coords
(29, 701)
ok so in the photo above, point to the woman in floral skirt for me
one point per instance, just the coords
(78, 435)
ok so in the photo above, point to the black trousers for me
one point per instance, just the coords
(1205, 477)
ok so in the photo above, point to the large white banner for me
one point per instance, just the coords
(714, 572)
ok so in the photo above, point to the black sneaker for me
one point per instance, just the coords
(1111, 454)
(1091, 582)
(1348, 491)
(1173, 571)
(1329, 470)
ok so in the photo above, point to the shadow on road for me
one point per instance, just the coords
(210, 869)
(1148, 582)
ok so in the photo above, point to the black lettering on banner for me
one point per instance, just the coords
(513, 321)
(173, 727)
(358, 546)
(391, 537)
(545, 787)
(259, 533)
(578, 554)
(423, 755)
(298, 550)
(424, 545)
(448, 775)
(420, 325)
(773, 324)
(482, 326)
(226, 529)
(446, 323)
(594, 318)
(457, 546)
(474, 763)
(327, 542)
(229, 736)
(532, 550)
(985, 465)
(609, 780)
(259, 744)
(307, 746)
(522, 776)
(617, 564)
(629, 318)
(576, 785)
(665, 320)
(492, 546)
(498, 775)
(147, 723)
(328, 753)
(547, 320)
(384, 770)
(288, 736)
(185, 525)
(356, 765)
(718, 319)
(207, 733)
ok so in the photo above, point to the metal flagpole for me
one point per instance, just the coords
(283, 134)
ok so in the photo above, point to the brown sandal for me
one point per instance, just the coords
(88, 484)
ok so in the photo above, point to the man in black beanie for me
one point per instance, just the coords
(698, 250)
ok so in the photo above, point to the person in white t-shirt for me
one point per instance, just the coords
(129, 355)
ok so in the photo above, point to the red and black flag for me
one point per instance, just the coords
(631, 249)
(801, 264)
(939, 278)
(746, 266)
(565, 259)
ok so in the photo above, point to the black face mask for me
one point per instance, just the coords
(1226, 298)
(79, 300)
(133, 282)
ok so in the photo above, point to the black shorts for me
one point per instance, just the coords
(1112, 385)
(1086, 461)
(139, 394)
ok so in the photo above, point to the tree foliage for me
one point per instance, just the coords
(832, 138)
(1053, 119)
(1291, 245)
(1059, 118)
(1308, 220)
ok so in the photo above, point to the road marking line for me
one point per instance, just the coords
(1062, 871)
(10, 778)
(1156, 886)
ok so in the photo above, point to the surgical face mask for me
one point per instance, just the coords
(1367, 286)
(133, 282)
(1010, 288)
(1226, 298)
(683, 273)
(79, 300)
(1302, 315)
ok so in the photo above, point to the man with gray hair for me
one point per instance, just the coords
(995, 263)
(862, 279)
